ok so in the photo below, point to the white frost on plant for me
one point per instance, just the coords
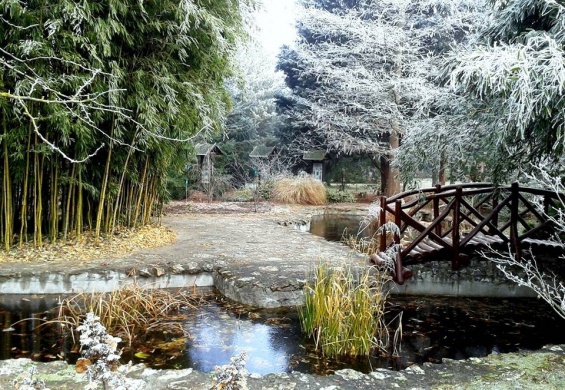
(368, 70)
(101, 356)
(231, 376)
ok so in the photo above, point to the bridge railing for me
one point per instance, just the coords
(449, 218)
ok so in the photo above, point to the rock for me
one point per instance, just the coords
(416, 370)
(350, 374)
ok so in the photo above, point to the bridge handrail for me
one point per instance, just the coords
(451, 200)
(435, 189)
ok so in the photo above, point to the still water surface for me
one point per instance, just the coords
(433, 328)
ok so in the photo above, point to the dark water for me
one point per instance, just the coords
(433, 328)
(334, 227)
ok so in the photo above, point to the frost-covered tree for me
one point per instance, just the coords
(253, 119)
(515, 81)
(362, 72)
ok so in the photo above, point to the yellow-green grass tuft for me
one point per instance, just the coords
(344, 311)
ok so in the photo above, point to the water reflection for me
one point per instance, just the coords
(433, 328)
(218, 334)
(333, 227)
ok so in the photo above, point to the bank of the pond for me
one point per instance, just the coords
(543, 369)
(254, 258)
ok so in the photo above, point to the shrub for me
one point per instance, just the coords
(239, 195)
(265, 190)
(337, 196)
(344, 311)
(299, 190)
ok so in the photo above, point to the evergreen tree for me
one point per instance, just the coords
(363, 74)
(514, 81)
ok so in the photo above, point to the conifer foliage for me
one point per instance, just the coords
(91, 95)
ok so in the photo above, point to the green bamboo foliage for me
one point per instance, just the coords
(150, 76)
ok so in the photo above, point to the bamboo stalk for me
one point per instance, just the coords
(141, 192)
(7, 193)
(70, 194)
(102, 198)
(23, 212)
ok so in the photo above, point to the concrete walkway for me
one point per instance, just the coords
(253, 258)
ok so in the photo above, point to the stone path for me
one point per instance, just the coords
(251, 258)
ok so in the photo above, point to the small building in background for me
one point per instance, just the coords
(316, 161)
(264, 152)
(206, 154)
(262, 158)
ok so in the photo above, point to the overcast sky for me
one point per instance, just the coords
(276, 24)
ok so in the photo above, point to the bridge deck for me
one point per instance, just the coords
(428, 250)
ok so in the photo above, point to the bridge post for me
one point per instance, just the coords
(436, 209)
(455, 234)
(514, 214)
(398, 267)
(382, 222)
(494, 206)
(397, 219)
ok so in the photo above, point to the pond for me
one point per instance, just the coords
(335, 227)
(433, 328)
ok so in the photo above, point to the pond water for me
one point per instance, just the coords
(335, 227)
(433, 328)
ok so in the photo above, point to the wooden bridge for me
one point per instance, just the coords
(450, 221)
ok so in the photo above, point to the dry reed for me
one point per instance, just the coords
(299, 190)
(131, 312)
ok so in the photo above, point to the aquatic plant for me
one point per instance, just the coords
(344, 310)
(302, 189)
(132, 312)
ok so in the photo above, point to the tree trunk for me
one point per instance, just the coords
(442, 168)
(389, 183)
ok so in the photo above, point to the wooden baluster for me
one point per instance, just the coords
(514, 208)
(382, 222)
(495, 205)
(399, 277)
(397, 220)
(436, 209)
(455, 236)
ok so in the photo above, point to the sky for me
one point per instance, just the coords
(276, 24)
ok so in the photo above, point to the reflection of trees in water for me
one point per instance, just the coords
(433, 328)
(24, 335)
(459, 328)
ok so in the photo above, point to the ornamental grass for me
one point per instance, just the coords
(299, 190)
(132, 312)
(344, 311)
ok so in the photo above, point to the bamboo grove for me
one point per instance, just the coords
(97, 101)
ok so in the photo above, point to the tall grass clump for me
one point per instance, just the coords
(301, 189)
(132, 312)
(344, 311)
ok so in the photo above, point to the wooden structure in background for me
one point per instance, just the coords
(206, 154)
(316, 160)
